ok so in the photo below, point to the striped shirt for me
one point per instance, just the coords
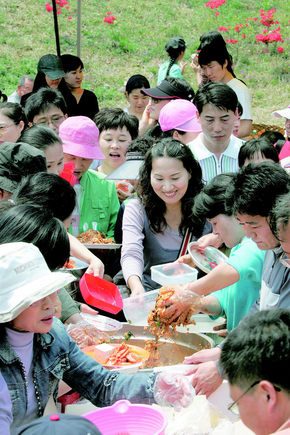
(210, 164)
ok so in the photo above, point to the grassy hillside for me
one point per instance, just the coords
(135, 43)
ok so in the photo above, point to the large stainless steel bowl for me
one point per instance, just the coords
(173, 350)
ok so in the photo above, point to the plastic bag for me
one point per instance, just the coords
(85, 334)
(173, 389)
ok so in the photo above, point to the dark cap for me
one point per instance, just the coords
(164, 91)
(51, 66)
(18, 160)
(59, 425)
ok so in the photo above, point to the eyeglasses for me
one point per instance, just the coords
(285, 262)
(56, 121)
(234, 407)
(5, 127)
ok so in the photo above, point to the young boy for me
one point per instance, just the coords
(117, 130)
(46, 107)
(239, 278)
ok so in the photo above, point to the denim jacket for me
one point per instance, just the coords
(56, 356)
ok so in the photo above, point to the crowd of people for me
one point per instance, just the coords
(175, 166)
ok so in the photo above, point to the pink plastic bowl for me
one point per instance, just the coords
(123, 417)
(101, 293)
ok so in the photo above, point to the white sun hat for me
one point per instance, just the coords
(25, 278)
(283, 113)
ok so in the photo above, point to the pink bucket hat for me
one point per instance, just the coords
(179, 115)
(80, 137)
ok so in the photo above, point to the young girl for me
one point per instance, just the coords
(86, 103)
(137, 101)
(12, 122)
(174, 66)
(36, 352)
(97, 201)
(155, 224)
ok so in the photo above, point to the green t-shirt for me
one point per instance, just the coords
(237, 299)
(175, 71)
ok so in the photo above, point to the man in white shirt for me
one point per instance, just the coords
(216, 148)
(25, 85)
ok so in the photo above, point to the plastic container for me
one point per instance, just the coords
(103, 323)
(101, 293)
(173, 273)
(208, 259)
(126, 418)
(137, 309)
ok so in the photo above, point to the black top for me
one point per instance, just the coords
(87, 106)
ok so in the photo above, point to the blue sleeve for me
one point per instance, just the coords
(248, 260)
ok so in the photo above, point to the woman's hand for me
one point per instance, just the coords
(182, 66)
(135, 286)
(186, 259)
(86, 309)
(96, 267)
(209, 240)
(146, 122)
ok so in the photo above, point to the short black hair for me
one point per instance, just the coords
(280, 214)
(273, 136)
(49, 191)
(13, 111)
(42, 100)
(256, 188)
(71, 62)
(40, 136)
(113, 118)
(137, 81)
(36, 225)
(213, 199)
(255, 145)
(141, 144)
(218, 94)
(258, 349)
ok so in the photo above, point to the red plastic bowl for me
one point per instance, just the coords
(101, 293)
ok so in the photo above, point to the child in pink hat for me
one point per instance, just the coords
(178, 119)
(97, 201)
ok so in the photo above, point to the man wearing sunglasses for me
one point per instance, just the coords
(255, 361)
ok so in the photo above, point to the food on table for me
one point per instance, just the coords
(70, 264)
(103, 351)
(93, 236)
(122, 355)
(162, 326)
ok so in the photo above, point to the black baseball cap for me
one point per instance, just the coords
(163, 91)
(51, 66)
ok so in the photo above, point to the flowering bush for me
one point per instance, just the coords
(59, 4)
(109, 18)
(266, 36)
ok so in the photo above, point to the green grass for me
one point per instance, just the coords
(135, 44)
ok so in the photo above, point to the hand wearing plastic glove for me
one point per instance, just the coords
(181, 302)
(173, 389)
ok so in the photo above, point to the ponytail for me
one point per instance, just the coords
(172, 60)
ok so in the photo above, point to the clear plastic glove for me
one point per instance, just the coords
(85, 334)
(206, 378)
(173, 390)
(181, 302)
